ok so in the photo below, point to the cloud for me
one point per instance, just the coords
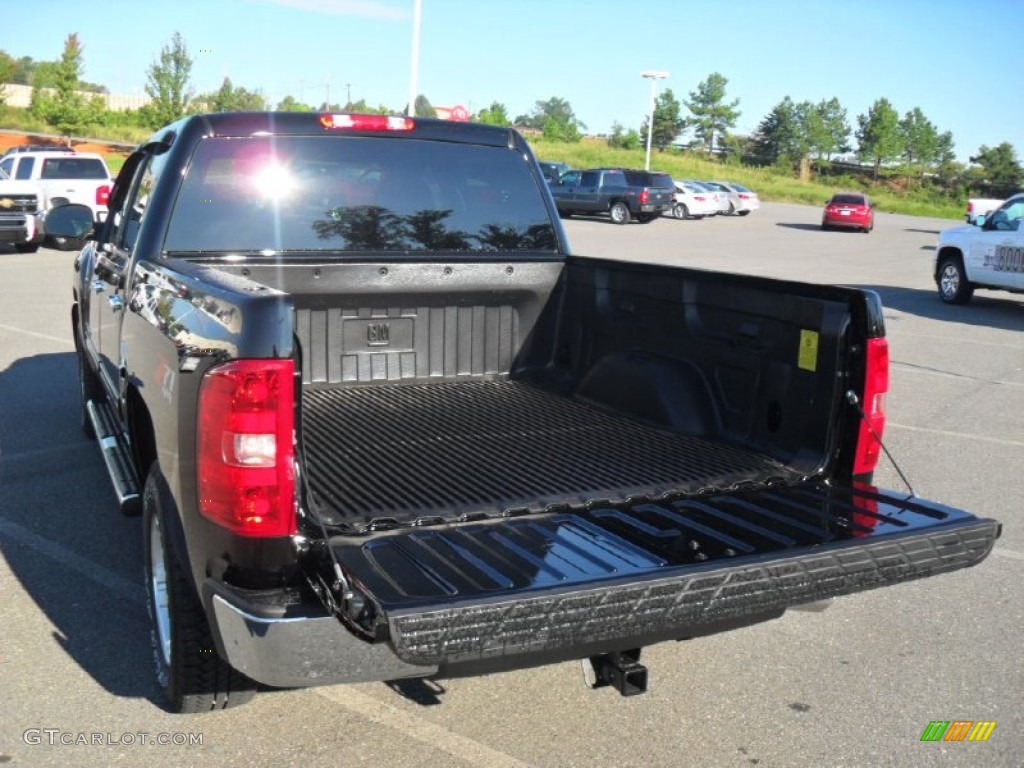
(370, 9)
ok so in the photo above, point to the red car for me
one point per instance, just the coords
(850, 210)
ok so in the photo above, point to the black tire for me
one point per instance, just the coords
(954, 287)
(619, 213)
(190, 672)
(646, 218)
(744, 212)
(565, 214)
(89, 389)
(824, 227)
(680, 211)
(26, 247)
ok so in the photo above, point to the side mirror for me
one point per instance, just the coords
(71, 221)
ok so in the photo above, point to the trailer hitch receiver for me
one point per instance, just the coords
(622, 670)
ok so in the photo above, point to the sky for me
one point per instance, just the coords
(958, 61)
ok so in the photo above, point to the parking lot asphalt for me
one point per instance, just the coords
(855, 685)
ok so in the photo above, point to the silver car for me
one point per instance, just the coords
(741, 199)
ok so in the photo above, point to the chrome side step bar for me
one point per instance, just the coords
(117, 457)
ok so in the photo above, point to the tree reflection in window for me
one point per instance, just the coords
(375, 228)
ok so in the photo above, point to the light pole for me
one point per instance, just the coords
(414, 75)
(654, 76)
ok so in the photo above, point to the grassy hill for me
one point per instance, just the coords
(769, 183)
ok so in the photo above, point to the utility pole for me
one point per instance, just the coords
(348, 94)
(414, 75)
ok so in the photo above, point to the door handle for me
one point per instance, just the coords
(116, 302)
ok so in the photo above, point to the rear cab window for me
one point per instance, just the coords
(73, 168)
(331, 194)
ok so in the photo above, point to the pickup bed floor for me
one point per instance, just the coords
(453, 448)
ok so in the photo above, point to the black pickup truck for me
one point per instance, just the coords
(622, 194)
(380, 423)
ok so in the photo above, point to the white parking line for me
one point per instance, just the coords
(121, 586)
(949, 433)
(66, 341)
(1008, 553)
(428, 733)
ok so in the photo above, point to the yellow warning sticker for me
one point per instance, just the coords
(808, 358)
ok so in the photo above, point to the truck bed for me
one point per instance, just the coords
(459, 448)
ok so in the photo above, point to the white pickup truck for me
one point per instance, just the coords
(21, 215)
(980, 206)
(55, 177)
(987, 256)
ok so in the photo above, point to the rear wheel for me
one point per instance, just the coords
(680, 211)
(954, 288)
(646, 218)
(26, 247)
(619, 213)
(744, 212)
(190, 672)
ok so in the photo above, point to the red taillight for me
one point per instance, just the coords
(876, 384)
(645, 195)
(102, 194)
(744, 197)
(245, 461)
(698, 198)
(367, 123)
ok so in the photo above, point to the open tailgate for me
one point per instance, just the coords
(617, 576)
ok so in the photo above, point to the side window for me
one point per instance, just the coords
(7, 166)
(1007, 218)
(25, 168)
(589, 179)
(129, 218)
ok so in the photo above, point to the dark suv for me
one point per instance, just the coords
(622, 193)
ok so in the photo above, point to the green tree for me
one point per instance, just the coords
(997, 169)
(836, 137)
(554, 110)
(69, 105)
(44, 78)
(878, 134)
(779, 137)
(920, 140)
(668, 123)
(623, 139)
(712, 117)
(360, 107)
(496, 114)
(23, 71)
(555, 131)
(230, 98)
(168, 84)
(423, 108)
(290, 104)
(945, 164)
